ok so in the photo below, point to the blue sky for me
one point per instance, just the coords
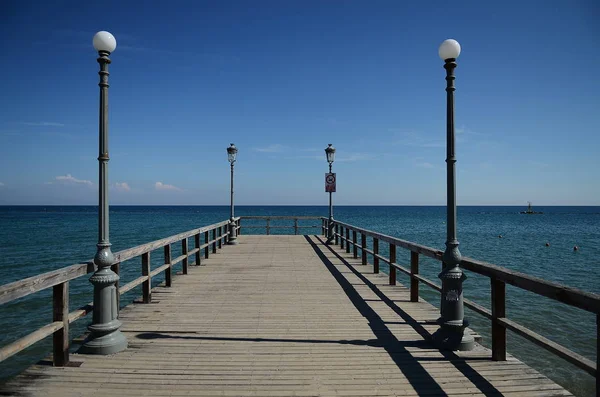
(282, 79)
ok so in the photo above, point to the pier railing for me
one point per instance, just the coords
(354, 239)
(208, 238)
(269, 227)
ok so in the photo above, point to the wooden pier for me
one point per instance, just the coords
(282, 316)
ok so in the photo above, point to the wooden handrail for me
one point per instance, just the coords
(268, 218)
(499, 277)
(59, 281)
(571, 296)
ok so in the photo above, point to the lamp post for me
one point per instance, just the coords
(231, 155)
(451, 333)
(105, 336)
(330, 152)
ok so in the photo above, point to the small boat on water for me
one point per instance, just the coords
(530, 209)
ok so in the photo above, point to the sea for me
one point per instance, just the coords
(37, 239)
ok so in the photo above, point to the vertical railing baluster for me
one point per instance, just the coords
(206, 241)
(197, 245)
(347, 240)
(168, 270)
(342, 241)
(392, 268)
(146, 285)
(117, 269)
(296, 226)
(220, 244)
(60, 312)
(337, 230)
(414, 270)
(363, 248)
(498, 311)
(597, 354)
(268, 226)
(354, 246)
(375, 257)
(239, 224)
(184, 251)
(214, 240)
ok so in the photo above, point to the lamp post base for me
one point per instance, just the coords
(453, 338)
(232, 240)
(103, 344)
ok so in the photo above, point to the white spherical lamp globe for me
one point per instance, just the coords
(449, 49)
(104, 41)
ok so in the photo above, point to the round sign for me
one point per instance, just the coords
(330, 179)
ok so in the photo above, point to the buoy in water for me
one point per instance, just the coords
(547, 244)
(499, 236)
(575, 248)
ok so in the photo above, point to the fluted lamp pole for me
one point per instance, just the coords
(451, 334)
(105, 336)
(330, 153)
(231, 155)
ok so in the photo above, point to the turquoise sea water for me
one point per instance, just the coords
(39, 239)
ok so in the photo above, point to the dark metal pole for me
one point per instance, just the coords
(232, 233)
(451, 334)
(105, 336)
(330, 223)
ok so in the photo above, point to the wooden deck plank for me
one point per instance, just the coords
(282, 316)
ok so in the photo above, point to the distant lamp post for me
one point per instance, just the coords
(330, 152)
(451, 333)
(105, 336)
(231, 155)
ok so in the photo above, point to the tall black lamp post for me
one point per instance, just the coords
(105, 336)
(451, 334)
(330, 152)
(231, 155)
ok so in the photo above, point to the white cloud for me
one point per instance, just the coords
(122, 186)
(411, 138)
(351, 157)
(275, 148)
(164, 186)
(425, 164)
(44, 124)
(69, 179)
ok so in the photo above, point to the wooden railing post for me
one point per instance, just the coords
(197, 245)
(337, 230)
(296, 226)
(347, 240)
(220, 232)
(354, 246)
(323, 227)
(184, 251)
(597, 353)
(147, 285)
(207, 248)
(239, 224)
(392, 268)
(168, 272)
(117, 269)
(342, 241)
(268, 226)
(375, 258)
(498, 311)
(60, 312)
(414, 270)
(214, 238)
(363, 246)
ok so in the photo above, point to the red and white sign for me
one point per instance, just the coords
(330, 182)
